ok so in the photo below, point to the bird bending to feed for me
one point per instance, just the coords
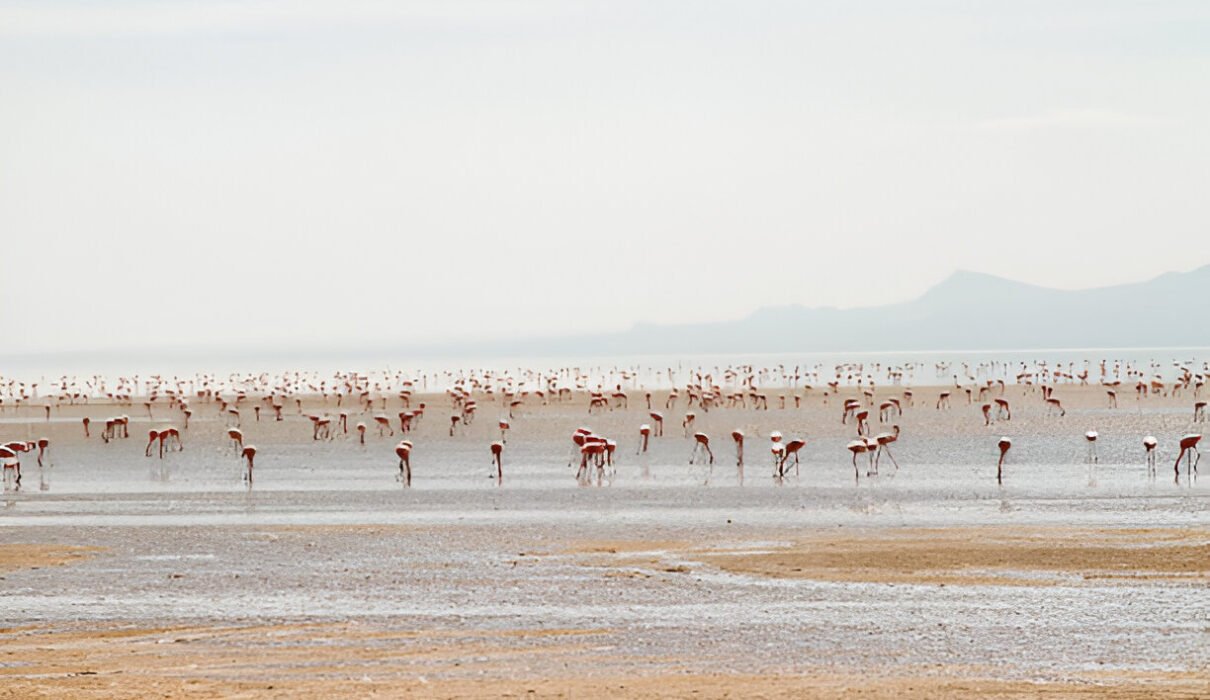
(1005, 444)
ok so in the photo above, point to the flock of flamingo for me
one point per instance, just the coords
(852, 386)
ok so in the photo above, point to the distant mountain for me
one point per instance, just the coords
(967, 311)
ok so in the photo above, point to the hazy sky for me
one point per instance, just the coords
(315, 172)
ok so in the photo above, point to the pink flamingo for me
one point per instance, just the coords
(1149, 444)
(497, 449)
(658, 419)
(701, 442)
(792, 448)
(1005, 444)
(404, 452)
(1188, 446)
(249, 455)
(884, 441)
(858, 447)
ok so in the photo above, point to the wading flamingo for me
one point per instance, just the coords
(404, 451)
(738, 437)
(11, 462)
(497, 450)
(1005, 445)
(792, 448)
(249, 455)
(1188, 446)
(1091, 437)
(152, 436)
(858, 447)
(701, 442)
(1149, 444)
(884, 441)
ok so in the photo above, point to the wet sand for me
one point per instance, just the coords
(14, 557)
(127, 576)
(953, 556)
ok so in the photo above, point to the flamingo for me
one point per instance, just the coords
(863, 425)
(43, 446)
(171, 434)
(1149, 444)
(857, 447)
(1003, 412)
(249, 455)
(850, 406)
(86, 421)
(690, 416)
(658, 419)
(594, 448)
(152, 436)
(1005, 444)
(792, 448)
(1091, 437)
(778, 451)
(361, 432)
(454, 419)
(644, 434)
(738, 437)
(10, 460)
(884, 441)
(504, 426)
(384, 423)
(1199, 412)
(701, 442)
(1188, 446)
(237, 438)
(404, 451)
(497, 450)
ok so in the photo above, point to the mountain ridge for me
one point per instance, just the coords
(965, 311)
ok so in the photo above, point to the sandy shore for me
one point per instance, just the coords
(320, 661)
(33, 556)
